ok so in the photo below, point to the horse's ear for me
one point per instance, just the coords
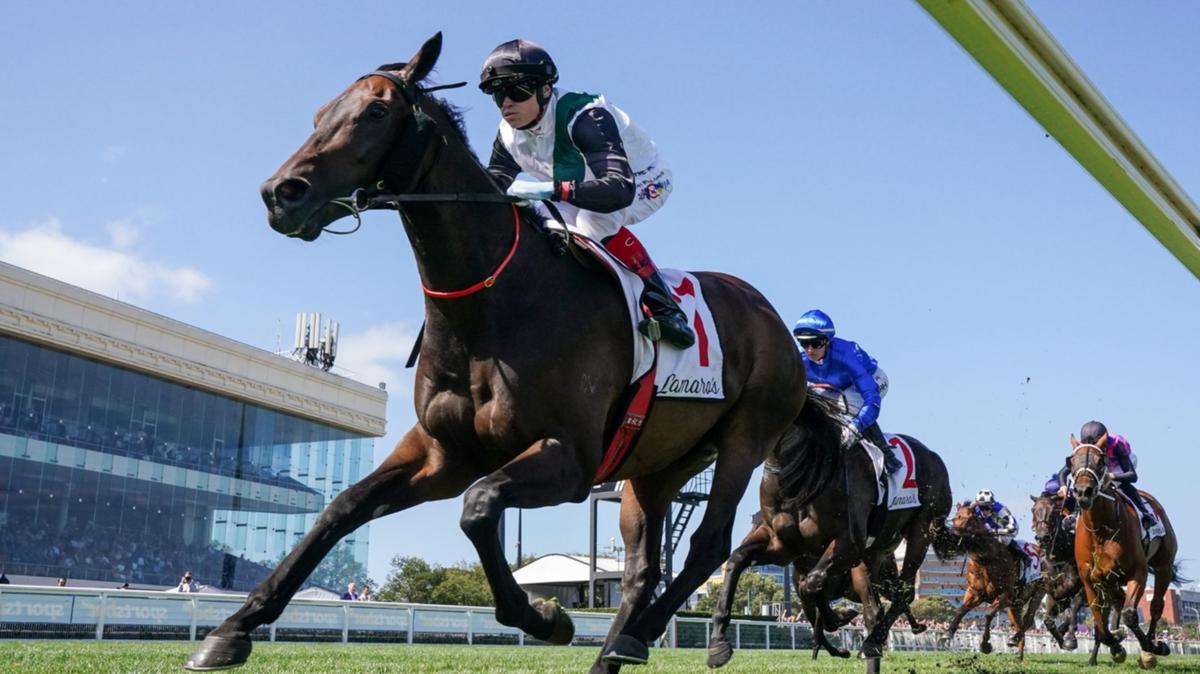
(422, 63)
(1103, 441)
(1074, 442)
(1033, 498)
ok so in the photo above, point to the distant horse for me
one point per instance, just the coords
(1111, 557)
(525, 361)
(1064, 589)
(994, 575)
(810, 492)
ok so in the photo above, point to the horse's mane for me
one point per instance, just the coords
(454, 115)
(809, 453)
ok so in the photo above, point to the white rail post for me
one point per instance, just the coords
(470, 629)
(195, 610)
(345, 623)
(100, 618)
(737, 635)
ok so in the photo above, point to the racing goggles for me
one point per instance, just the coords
(519, 92)
(812, 342)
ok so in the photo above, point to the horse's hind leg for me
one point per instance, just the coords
(985, 643)
(415, 472)
(719, 649)
(644, 504)
(710, 544)
(548, 473)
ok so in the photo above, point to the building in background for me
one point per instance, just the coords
(134, 447)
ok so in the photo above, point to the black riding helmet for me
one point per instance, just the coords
(516, 63)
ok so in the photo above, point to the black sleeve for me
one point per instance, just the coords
(1064, 474)
(595, 134)
(1127, 473)
(503, 167)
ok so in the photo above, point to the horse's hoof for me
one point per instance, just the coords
(840, 653)
(719, 653)
(1070, 644)
(919, 628)
(1014, 641)
(219, 653)
(563, 628)
(1147, 660)
(1161, 648)
(871, 650)
(985, 647)
(627, 650)
(1118, 654)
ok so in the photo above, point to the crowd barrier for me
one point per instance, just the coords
(28, 612)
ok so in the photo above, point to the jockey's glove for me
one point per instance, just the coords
(531, 190)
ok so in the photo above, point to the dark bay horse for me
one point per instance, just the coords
(993, 576)
(521, 372)
(1064, 590)
(1111, 557)
(809, 496)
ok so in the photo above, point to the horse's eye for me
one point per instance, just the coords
(377, 111)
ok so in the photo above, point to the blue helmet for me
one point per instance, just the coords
(815, 323)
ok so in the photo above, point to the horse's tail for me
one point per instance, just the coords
(1178, 578)
(809, 453)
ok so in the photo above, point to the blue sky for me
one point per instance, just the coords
(844, 156)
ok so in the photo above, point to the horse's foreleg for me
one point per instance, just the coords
(548, 473)
(415, 472)
(644, 504)
(970, 600)
(1100, 633)
(985, 643)
(1129, 613)
(719, 649)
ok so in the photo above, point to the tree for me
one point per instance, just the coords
(754, 590)
(412, 580)
(416, 581)
(464, 585)
(934, 608)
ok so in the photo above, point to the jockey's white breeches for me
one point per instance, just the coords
(854, 399)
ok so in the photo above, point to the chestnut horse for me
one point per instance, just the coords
(993, 576)
(520, 374)
(1064, 590)
(1111, 556)
(809, 496)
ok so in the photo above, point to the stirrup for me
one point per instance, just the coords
(651, 328)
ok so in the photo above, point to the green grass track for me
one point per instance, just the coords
(144, 657)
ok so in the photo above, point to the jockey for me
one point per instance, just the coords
(1122, 466)
(1000, 521)
(584, 153)
(843, 366)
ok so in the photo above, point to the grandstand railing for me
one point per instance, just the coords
(28, 612)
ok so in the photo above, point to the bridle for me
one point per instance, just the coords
(1087, 469)
(376, 198)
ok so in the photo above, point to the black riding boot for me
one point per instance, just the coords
(891, 463)
(1148, 521)
(668, 322)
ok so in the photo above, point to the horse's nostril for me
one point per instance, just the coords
(290, 191)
